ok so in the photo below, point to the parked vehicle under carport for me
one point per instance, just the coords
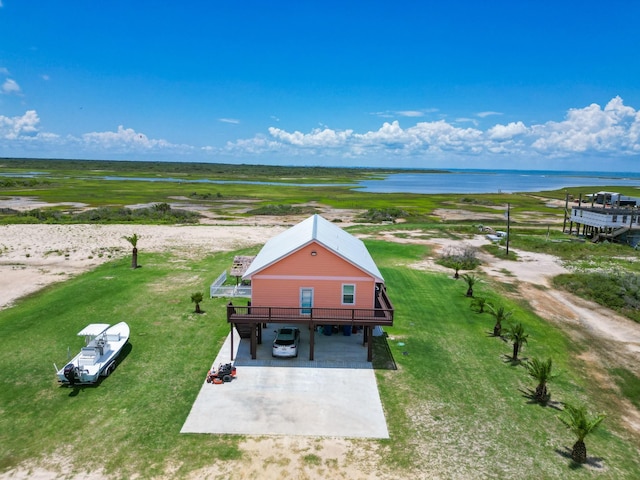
(286, 342)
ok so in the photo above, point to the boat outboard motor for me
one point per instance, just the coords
(70, 373)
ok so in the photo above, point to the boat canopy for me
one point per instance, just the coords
(93, 330)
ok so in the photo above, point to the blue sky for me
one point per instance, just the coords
(432, 84)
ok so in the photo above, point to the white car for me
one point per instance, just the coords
(286, 342)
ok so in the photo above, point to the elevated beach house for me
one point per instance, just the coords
(611, 217)
(313, 274)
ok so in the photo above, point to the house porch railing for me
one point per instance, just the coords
(218, 289)
(381, 315)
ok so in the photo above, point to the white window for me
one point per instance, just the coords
(348, 294)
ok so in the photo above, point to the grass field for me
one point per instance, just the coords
(456, 407)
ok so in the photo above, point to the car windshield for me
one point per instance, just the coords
(285, 336)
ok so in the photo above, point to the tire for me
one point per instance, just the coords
(226, 378)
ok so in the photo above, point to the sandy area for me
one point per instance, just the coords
(32, 256)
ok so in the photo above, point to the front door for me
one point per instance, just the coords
(306, 301)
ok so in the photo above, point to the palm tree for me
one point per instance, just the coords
(516, 334)
(456, 265)
(196, 298)
(541, 371)
(471, 281)
(581, 424)
(133, 240)
(480, 303)
(500, 314)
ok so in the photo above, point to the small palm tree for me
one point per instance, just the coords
(516, 334)
(133, 240)
(541, 371)
(471, 281)
(456, 265)
(581, 424)
(196, 298)
(479, 303)
(500, 314)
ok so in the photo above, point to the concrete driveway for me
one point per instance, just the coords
(336, 395)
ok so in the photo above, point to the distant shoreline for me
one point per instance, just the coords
(574, 173)
(370, 180)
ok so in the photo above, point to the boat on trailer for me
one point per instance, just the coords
(103, 344)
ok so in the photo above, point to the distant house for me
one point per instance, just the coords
(611, 198)
(621, 225)
(313, 274)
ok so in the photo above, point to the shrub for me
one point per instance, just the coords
(281, 209)
(464, 257)
(377, 215)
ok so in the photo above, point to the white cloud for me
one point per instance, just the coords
(324, 138)
(10, 86)
(505, 132)
(15, 128)
(410, 113)
(229, 120)
(614, 130)
(487, 114)
(405, 113)
(127, 138)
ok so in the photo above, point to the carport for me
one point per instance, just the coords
(324, 397)
(336, 350)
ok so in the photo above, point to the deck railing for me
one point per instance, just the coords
(218, 289)
(381, 315)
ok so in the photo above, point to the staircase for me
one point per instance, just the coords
(243, 329)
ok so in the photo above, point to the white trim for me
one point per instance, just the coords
(311, 277)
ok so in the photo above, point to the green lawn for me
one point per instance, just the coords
(135, 416)
(458, 404)
(456, 407)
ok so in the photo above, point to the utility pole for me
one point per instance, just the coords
(566, 210)
(508, 226)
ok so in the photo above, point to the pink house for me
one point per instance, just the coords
(315, 273)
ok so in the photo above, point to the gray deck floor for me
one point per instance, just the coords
(336, 395)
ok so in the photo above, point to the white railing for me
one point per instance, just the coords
(218, 289)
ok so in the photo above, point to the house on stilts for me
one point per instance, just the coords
(608, 217)
(313, 274)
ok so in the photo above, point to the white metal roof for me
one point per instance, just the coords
(93, 329)
(315, 228)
